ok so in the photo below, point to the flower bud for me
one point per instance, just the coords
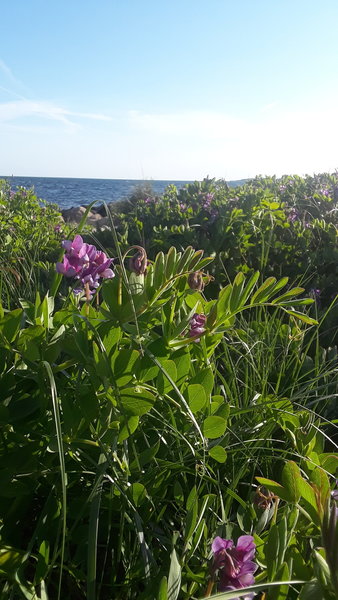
(197, 325)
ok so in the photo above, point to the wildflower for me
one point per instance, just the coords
(195, 281)
(197, 325)
(85, 263)
(293, 215)
(315, 294)
(234, 563)
(206, 200)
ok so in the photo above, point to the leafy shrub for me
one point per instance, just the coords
(31, 231)
(127, 444)
(282, 227)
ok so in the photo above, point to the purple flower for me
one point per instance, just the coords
(234, 563)
(206, 200)
(315, 294)
(197, 325)
(85, 263)
(293, 215)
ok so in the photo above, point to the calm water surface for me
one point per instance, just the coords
(67, 192)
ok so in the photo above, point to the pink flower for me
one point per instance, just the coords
(84, 262)
(234, 563)
(197, 325)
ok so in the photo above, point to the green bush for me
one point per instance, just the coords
(127, 445)
(31, 230)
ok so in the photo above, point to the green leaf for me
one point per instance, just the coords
(168, 368)
(123, 365)
(214, 427)
(195, 395)
(223, 303)
(206, 378)
(263, 292)
(184, 260)
(290, 479)
(138, 493)
(137, 401)
(271, 551)
(174, 578)
(163, 589)
(329, 462)
(312, 591)
(319, 478)
(10, 324)
(281, 592)
(192, 498)
(190, 522)
(248, 288)
(158, 271)
(170, 262)
(274, 487)
(218, 453)
(10, 560)
(302, 317)
(128, 427)
(290, 294)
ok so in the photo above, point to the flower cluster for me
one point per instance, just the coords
(234, 563)
(206, 200)
(197, 325)
(85, 263)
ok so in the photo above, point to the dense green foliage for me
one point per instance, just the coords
(31, 231)
(281, 227)
(127, 445)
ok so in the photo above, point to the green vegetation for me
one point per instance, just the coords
(189, 397)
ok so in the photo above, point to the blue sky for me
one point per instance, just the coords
(168, 89)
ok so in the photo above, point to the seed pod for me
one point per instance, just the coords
(195, 281)
(138, 263)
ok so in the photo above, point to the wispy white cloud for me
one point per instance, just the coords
(182, 145)
(8, 73)
(26, 109)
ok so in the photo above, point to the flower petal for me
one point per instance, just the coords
(221, 544)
